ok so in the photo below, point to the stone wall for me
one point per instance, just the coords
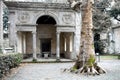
(29, 48)
(47, 31)
(117, 40)
(12, 28)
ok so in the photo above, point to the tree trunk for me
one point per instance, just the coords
(86, 62)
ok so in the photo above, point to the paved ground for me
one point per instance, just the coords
(52, 71)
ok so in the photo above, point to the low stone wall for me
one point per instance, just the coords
(7, 62)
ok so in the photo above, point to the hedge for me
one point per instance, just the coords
(118, 56)
(7, 62)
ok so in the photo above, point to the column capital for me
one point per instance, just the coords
(33, 32)
(58, 32)
(74, 33)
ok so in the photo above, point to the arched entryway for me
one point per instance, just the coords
(46, 36)
(52, 42)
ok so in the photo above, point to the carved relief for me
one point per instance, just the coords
(67, 18)
(24, 17)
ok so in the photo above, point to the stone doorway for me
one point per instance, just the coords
(46, 36)
(45, 47)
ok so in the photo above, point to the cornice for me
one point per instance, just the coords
(37, 5)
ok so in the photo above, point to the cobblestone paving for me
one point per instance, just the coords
(52, 71)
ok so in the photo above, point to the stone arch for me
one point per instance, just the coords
(46, 19)
(55, 17)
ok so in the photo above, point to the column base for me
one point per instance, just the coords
(58, 60)
(34, 60)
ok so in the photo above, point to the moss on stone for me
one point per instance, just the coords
(34, 60)
(92, 46)
(74, 68)
(91, 60)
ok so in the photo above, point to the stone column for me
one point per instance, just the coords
(34, 45)
(1, 24)
(16, 42)
(58, 46)
(24, 43)
(19, 42)
(74, 46)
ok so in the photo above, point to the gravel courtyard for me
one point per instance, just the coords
(53, 71)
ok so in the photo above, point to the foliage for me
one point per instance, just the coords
(34, 60)
(115, 11)
(110, 56)
(0, 50)
(99, 46)
(101, 22)
(74, 68)
(17, 58)
(118, 56)
(5, 18)
(101, 19)
(8, 62)
(102, 5)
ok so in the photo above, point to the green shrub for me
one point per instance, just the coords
(118, 56)
(34, 60)
(9, 61)
(17, 59)
(0, 50)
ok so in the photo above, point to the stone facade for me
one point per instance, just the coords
(28, 37)
(115, 38)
